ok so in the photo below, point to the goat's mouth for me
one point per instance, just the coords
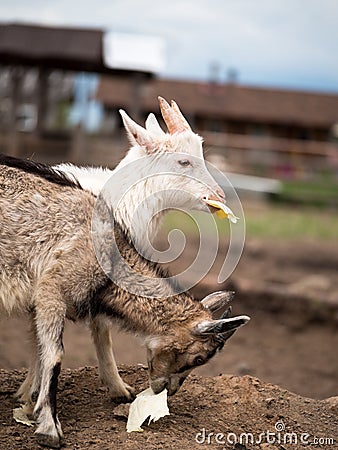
(212, 209)
(159, 385)
(172, 384)
(173, 391)
(220, 208)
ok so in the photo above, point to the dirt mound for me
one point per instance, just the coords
(223, 412)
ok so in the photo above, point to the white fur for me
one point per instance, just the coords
(90, 178)
(154, 142)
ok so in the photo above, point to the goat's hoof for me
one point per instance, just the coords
(124, 395)
(123, 399)
(47, 440)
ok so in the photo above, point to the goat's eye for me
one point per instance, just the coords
(198, 361)
(184, 162)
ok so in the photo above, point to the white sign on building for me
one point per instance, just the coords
(133, 52)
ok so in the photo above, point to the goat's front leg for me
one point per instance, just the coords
(101, 332)
(50, 317)
(29, 389)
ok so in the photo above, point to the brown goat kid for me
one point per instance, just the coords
(48, 270)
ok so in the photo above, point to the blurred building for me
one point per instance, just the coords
(269, 132)
(43, 70)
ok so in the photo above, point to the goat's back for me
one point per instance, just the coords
(44, 231)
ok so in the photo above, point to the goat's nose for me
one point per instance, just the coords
(217, 195)
(220, 193)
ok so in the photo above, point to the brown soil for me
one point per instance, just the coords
(224, 404)
(290, 289)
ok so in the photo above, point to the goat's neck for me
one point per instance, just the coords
(154, 316)
(138, 204)
(149, 308)
(138, 208)
(141, 219)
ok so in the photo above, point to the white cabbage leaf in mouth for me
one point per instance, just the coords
(223, 212)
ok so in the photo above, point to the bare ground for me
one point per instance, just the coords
(224, 404)
(290, 289)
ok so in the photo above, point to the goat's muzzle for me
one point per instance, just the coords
(172, 384)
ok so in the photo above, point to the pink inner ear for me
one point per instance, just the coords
(151, 147)
(142, 140)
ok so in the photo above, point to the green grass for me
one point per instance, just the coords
(270, 221)
(188, 222)
(319, 193)
(292, 223)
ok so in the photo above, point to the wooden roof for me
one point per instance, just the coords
(78, 49)
(228, 101)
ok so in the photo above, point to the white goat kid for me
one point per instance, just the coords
(178, 152)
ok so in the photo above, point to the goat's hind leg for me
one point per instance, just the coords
(50, 317)
(101, 332)
(29, 389)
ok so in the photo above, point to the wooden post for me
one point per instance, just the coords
(78, 146)
(137, 85)
(13, 134)
(41, 100)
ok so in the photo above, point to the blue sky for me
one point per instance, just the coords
(279, 43)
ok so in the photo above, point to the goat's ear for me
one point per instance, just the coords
(220, 326)
(153, 127)
(217, 300)
(137, 135)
